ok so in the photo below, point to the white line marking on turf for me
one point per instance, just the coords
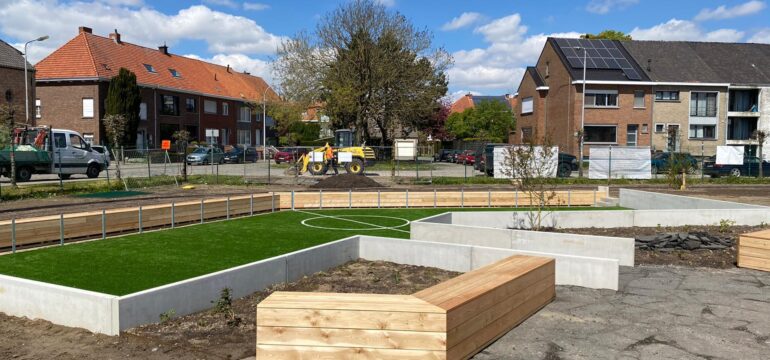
(376, 227)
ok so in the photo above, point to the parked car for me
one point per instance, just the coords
(750, 167)
(467, 157)
(236, 155)
(101, 149)
(289, 155)
(661, 161)
(203, 156)
(567, 162)
(442, 155)
(455, 154)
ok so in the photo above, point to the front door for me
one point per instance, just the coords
(632, 132)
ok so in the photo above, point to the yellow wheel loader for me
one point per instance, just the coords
(361, 156)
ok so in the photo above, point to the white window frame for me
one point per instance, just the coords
(143, 111)
(592, 93)
(88, 138)
(690, 137)
(528, 105)
(38, 110)
(244, 115)
(644, 100)
(244, 137)
(703, 120)
(88, 108)
(210, 106)
(601, 142)
(663, 130)
(225, 108)
(678, 95)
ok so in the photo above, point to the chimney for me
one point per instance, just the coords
(228, 67)
(115, 36)
(84, 29)
(649, 65)
(163, 49)
(246, 73)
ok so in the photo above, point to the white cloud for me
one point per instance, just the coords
(761, 37)
(452, 97)
(723, 12)
(387, 3)
(223, 33)
(255, 6)
(605, 6)
(240, 62)
(500, 66)
(226, 3)
(685, 30)
(465, 19)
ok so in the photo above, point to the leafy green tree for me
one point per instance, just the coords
(123, 98)
(488, 120)
(115, 126)
(609, 35)
(182, 138)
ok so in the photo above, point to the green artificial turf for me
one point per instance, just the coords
(132, 263)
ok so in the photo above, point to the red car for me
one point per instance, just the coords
(289, 155)
(467, 157)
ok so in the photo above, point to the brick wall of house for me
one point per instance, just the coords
(62, 107)
(559, 122)
(13, 80)
(622, 116)
(532, 121)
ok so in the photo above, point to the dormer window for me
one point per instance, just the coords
(149, 68)
(175, 73)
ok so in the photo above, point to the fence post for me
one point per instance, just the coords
(350, 198)
(407, 198)
(201, 211)
(13, 235)
(272, 201)
(140, 219)
(462, 197)
(321, 198)
(609, 167)
(435, 196)
(569, 198)
(173, 214)
(61, 229)
(149, 164)
(227, 208)
(104, 224)
(516, 198)
(489, 198)
(378, 198)
(594, 198)
(251, 204)
(292, 199)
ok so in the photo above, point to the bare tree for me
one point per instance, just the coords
(8, 116)
(182, 138)
(532, 167)
(760, 136)
(115, 127)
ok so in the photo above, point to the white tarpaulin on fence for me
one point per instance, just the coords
(547, 167)
(344, 157)
(730, 155)
(621, 162)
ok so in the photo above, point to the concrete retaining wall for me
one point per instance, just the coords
(646, 200)
(596, 273)
(621, 249)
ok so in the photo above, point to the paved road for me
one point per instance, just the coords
(659, 313)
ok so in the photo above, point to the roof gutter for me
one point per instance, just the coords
(648, 83)
(542, 88)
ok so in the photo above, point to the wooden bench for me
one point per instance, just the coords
(754, 250)
(452, 320)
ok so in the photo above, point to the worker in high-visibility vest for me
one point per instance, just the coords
(330, 160)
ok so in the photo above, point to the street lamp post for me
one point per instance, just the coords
(581, 134)
(26, 81)
(264, 123)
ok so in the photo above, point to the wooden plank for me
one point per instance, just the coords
(755, 242)
(762, 234)
(749, 262)
(365, 338)
(352, 319)
(756, 253)
(277, 352)
(334, 301)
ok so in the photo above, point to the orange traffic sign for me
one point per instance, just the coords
(165, 144)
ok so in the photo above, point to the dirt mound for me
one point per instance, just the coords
(346, 181)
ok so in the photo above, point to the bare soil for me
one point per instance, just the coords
(346, 181)
(204, 335)
(719, 259)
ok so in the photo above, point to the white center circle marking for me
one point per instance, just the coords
(372, 227)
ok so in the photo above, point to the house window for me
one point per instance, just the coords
(88, 108)
(527, 105)
(703, 131)
(602, 98)
(244, 137)
(209, 106)
(149, 68)
(526, 135)
(170, 105)
(245, 114)
(225, 108)
(660, 128)
(703, 104)
(143, 111)
(38, 114)
(645, 129)
(89, 138)
(600, 134)
(667, 95)
(175, 73)
(639, 99)
(191, 105)
(225, 136)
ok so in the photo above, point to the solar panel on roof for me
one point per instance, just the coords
(632, 74)
(600, 54)
(575, 62)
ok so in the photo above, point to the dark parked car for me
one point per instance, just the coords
(237, 155)
(442, 155)
(661, 161)
(289, 154)
(750, 167)
(452, 157)
(567, 163)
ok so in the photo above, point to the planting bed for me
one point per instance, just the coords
(206, 335)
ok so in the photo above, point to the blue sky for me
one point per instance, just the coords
(491, 41)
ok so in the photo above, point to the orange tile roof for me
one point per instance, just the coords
(92, 56)
(465, 102)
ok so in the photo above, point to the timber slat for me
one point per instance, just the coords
(754, 250)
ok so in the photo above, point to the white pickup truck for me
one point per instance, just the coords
(42, 150)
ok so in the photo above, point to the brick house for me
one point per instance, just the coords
(469, 100)
(618, 97)
(12, 82)
(177, 92)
